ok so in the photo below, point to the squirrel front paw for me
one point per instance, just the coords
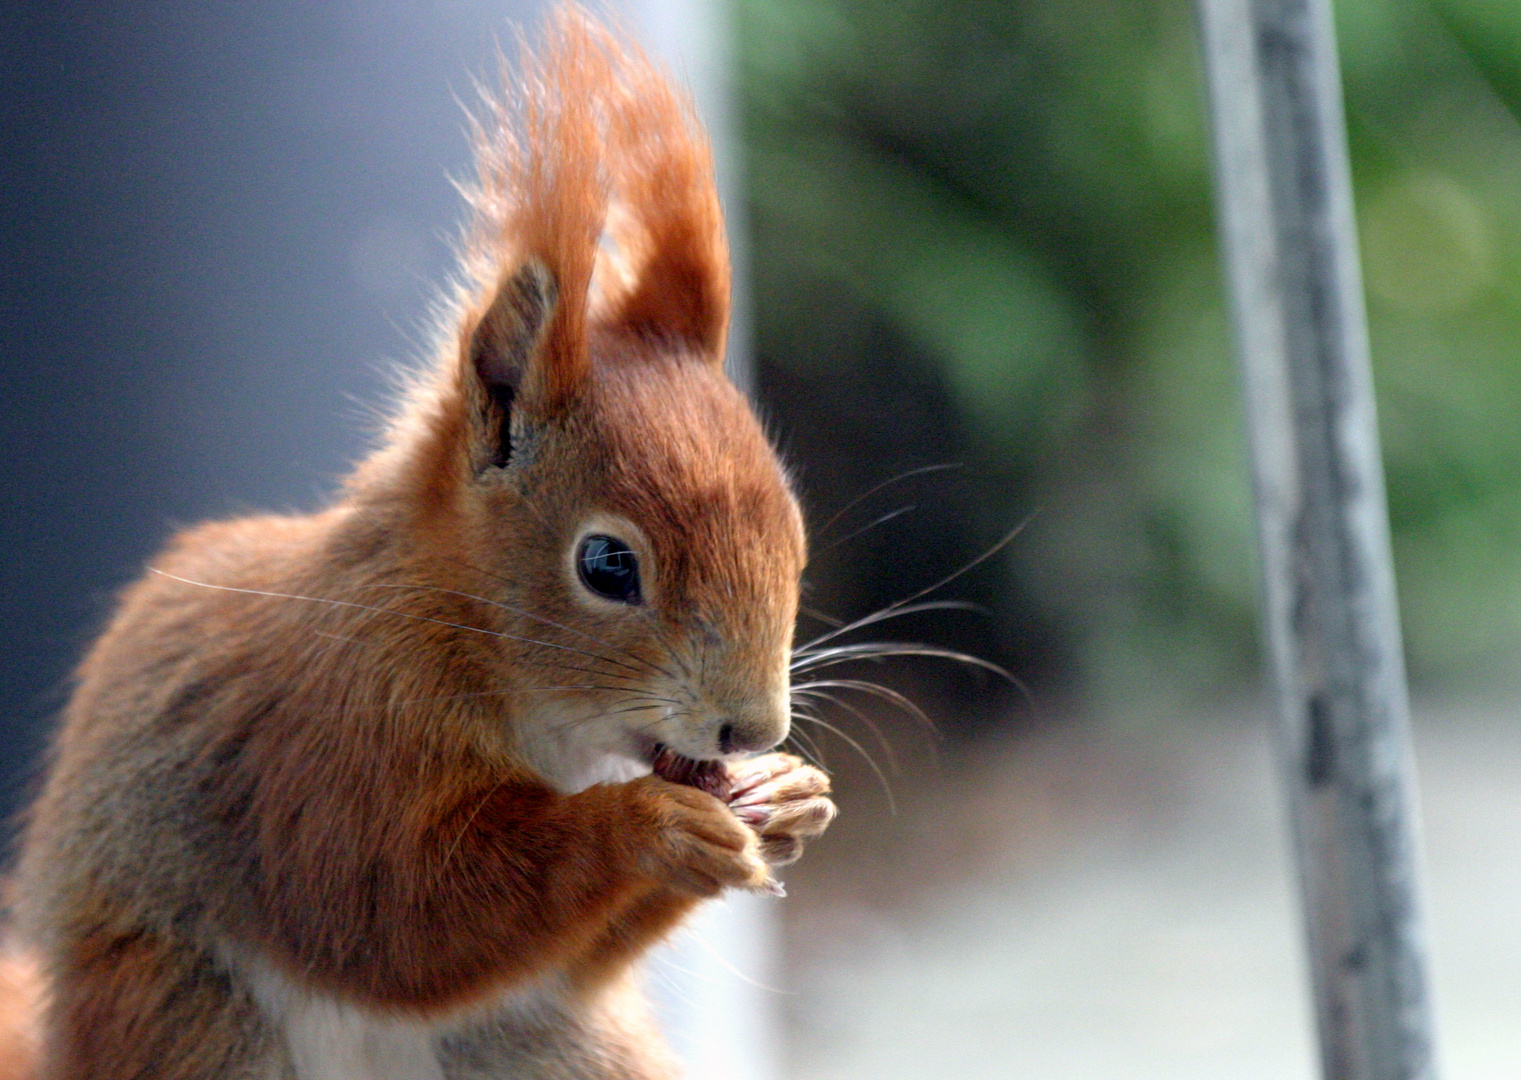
(785, 801)
(698, 845)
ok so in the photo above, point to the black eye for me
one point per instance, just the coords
(609, 569)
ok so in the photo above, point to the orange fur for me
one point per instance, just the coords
(382, 763)
(20, 1006)
(664, 170)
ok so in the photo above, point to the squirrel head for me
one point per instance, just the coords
(579, 467)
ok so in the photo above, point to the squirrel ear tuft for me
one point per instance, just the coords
(662, 166)
(507, 353)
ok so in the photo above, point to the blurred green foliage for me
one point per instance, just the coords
(983, 233)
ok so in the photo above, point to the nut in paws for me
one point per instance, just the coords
(785, 802)
(698, 846)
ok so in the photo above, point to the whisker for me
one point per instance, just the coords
(885, 693)
(645, 707)
(642, 728)
(884, 519)
(567, 686)
(818, 616)
(871, 725)
(845, 654)
(869, 492)
(812, 754)
(893, 611)
(873, 650)
(339, 637)
(376, 610)
(802, 711)
(459, 837)
(560, 665)
(887, 788)
(675, 654)
(603, 714)
(505, 691)
(674, 650)
(899, 605)
(670, 707)
(532, 615)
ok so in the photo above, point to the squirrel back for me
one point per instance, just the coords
(404, 787)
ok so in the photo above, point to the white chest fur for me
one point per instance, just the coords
(328, 1039)
(575, 744)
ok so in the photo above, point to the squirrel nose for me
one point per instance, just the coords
(740, 737)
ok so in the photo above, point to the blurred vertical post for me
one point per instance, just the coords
(712, 983)
(1285, 214)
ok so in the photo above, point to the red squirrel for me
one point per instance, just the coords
(403, 788)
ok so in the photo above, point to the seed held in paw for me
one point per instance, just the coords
(710, 776)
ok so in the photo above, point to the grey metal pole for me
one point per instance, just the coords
(1286, 222)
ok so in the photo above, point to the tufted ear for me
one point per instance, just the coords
(540, 199)
(662, 165)
(509, 357)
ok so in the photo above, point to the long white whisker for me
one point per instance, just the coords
(883, 520)
(560, 665)
(818, 616)
(373, 608)
(892, 804)
(508, 690)
(886, 693)
(812, 752)
(531, 615)
(871, 725)
(898, 605)
(869, 492)
(844, 654)
(884, 614)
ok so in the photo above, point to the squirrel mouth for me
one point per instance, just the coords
(710, 776)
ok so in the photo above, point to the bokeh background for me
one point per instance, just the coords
(985, 294)
(983, 233)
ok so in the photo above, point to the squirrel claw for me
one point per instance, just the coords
(768, 886)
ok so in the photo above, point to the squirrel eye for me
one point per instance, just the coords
(609, 568)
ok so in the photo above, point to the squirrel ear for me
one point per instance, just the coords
(682, 291)
(663, 170)
(507, 354)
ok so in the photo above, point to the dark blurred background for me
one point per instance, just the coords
(980, 237)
